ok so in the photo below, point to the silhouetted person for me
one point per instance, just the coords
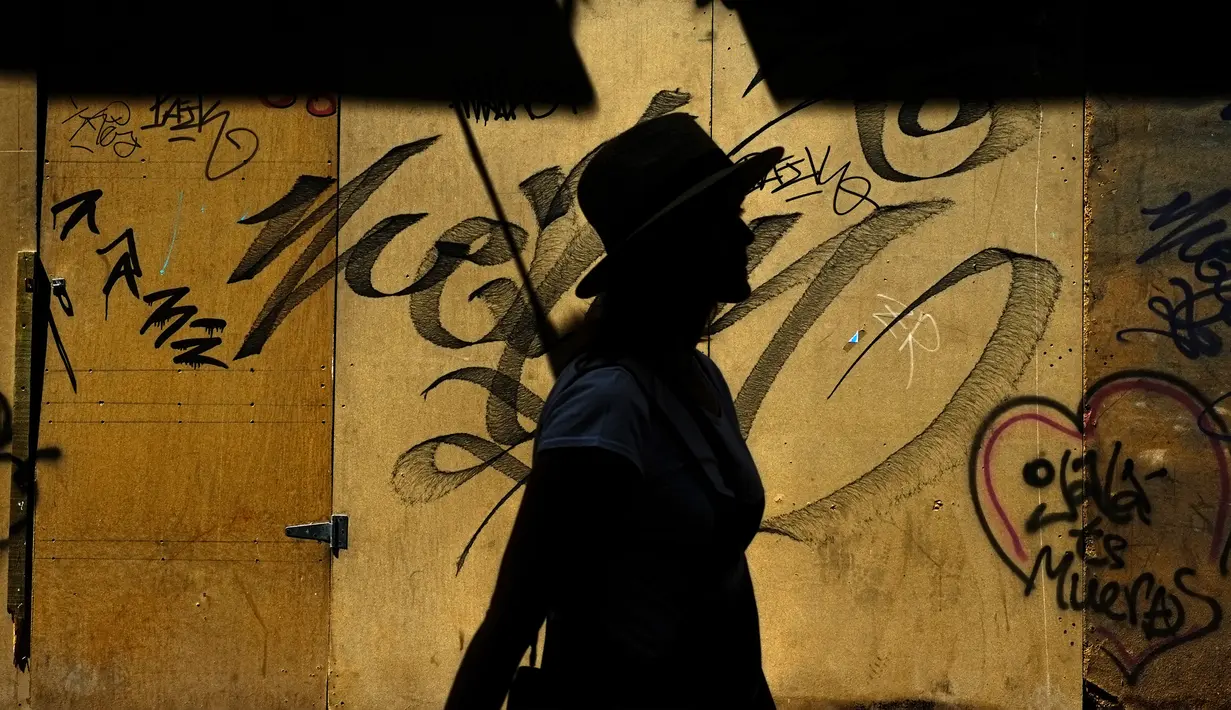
(632, 528)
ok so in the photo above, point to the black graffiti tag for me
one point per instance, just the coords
(564, 249)
(1097, 575)
(182, 115)
(823, 272)
(128, 266)
(1189, 326)
(790, 171)
(84, 205)
(100, 128)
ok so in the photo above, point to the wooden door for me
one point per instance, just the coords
(191, 432)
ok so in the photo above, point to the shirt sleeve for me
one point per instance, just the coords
(603, 408)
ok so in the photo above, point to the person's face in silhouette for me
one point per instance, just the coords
(729, 255)
(715, 249)
(700, 260)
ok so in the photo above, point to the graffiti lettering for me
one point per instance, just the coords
(100, 128)
(1189, 330)
(127, 266)
(193, 349)
(180, 115)
(1118, 507)
(564, 249)
(1163, 618)
(484, 111)
(787, 173)
(1139, 603)
(284, 222)
(1009, 128)
(86, 206)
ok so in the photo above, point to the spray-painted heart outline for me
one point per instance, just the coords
(1203, 412)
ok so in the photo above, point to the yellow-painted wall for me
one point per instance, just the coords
(875, 579)
(908, 510)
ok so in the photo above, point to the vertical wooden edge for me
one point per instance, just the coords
(1087, 129)
(19, 536)
(18, 499)
(330, 664)
(19, 173)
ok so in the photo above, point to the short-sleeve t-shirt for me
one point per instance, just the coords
(673, 597)
(624, 408)
(603, 407)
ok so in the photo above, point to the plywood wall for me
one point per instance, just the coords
(1156, 364)
(923, 523)
(876, 578)
(162, 576)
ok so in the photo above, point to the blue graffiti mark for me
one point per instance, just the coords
(175, 230)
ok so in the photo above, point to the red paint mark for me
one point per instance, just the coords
(322, 106)
(1179, 395)
(987, 474)
(279, 100)
(1090, 424)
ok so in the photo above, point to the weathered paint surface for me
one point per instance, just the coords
(162, 576)
(924, 516)
(876, 579)
(18, 170)
(1158, 190)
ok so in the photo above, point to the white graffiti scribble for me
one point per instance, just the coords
(892, 307)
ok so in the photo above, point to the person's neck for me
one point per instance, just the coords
(670, 331)
(675, 333)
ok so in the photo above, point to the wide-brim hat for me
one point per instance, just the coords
(648, 172)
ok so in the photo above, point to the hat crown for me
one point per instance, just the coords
(641, 171)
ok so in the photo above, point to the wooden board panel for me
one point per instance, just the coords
(880, 584)
(402, 614)
(18, 171)
(1159, 186)
(876, 580)
(162, 576)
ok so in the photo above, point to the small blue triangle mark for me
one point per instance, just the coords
(854, 338)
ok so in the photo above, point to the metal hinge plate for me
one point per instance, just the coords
(334, 532)
(22, 477)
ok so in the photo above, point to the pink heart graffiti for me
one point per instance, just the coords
(1160, 614)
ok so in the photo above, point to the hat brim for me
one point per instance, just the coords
(739, 178)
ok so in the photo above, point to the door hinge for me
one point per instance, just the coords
(333, 532)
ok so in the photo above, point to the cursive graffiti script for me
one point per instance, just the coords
(1140, 615)
(1191, 317)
